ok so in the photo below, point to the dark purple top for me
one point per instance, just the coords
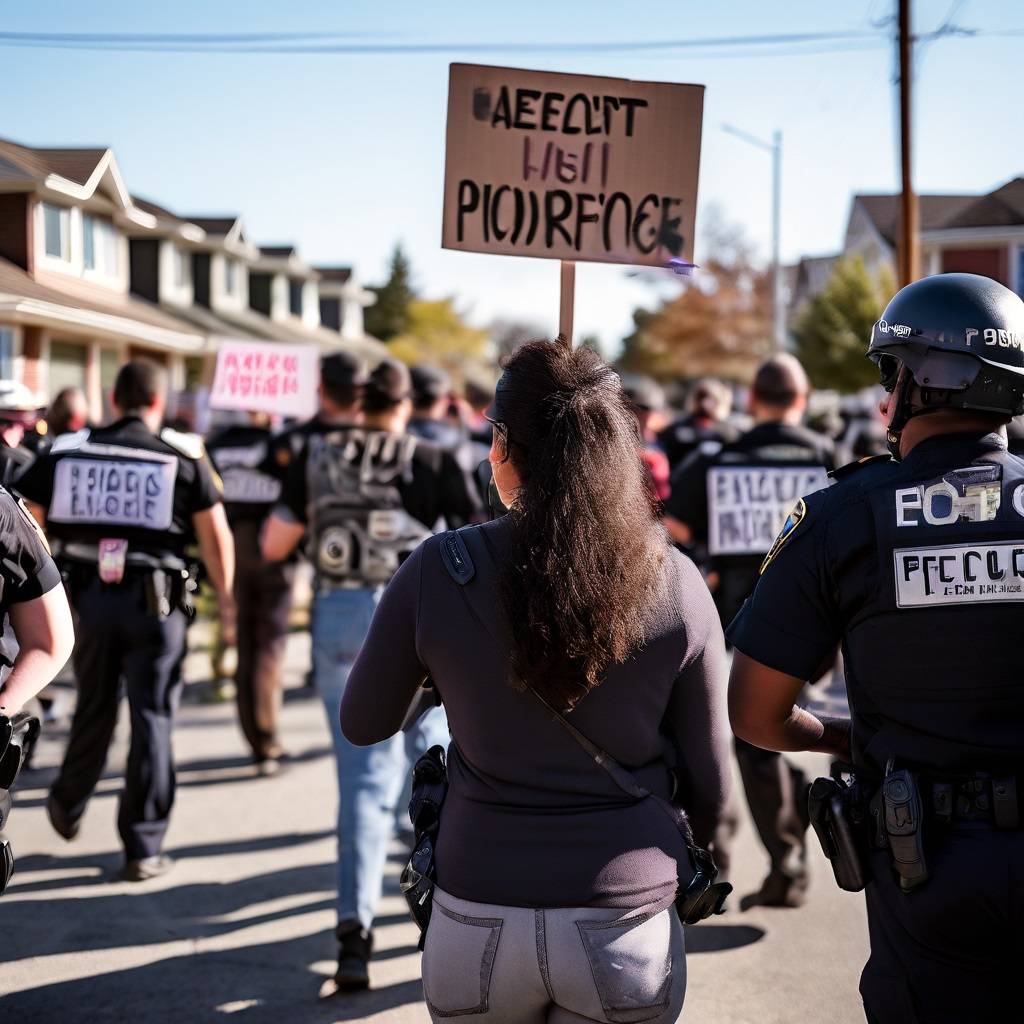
(530, 820)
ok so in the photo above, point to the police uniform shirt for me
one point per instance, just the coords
(123, 482)
(437, 488)
(918, 568)
(684, 436)
(250, 476)
(26, 568)
(762, 474)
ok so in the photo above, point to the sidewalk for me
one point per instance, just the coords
(242, 929)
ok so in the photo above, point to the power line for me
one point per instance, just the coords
(307, 43)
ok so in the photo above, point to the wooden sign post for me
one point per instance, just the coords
(571, 167)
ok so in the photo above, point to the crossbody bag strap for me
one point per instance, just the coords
(458, 548)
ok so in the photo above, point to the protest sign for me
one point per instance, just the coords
(260, 376)
(571, 167)
(748, 505)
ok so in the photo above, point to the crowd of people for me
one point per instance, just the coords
(544, 584)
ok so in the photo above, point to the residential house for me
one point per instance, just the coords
(976, 234)
(342, 301)
(67, 315)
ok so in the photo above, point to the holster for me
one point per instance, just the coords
(899, 824)
(836, 813)
(17, 735)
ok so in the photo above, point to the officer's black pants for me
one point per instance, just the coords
(263, 597)
(776, 791)
(950, 952)
(118, 639)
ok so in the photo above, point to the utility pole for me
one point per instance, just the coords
(908, 243)
(778, 299)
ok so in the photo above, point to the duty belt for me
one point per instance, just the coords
(978, 798)
(82, 553)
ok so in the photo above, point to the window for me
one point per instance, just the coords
(295, 296)
(6, 353)
(182, 269)
(230, 277)
(101, 246)
(57, 229)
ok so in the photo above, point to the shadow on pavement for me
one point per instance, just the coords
(712, 938)
(269, 983)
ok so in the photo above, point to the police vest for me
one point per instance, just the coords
(750, 493)
(106, 485)
(244, 482)
(933, 629)
(359, 530)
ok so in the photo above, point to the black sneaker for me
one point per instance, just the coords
(60, 820)
(355, 944)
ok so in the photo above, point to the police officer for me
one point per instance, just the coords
(120, 504)
(916, 564)
(34, 648)
(706, 420)
(646, 400)
(729, 501)
(431, 420)
(364, 496)
(263, 590)
(18, 413)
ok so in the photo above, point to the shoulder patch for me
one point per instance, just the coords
(852, 467)
(190, 445)
(70, 442)
(796, 516)
(31, 520)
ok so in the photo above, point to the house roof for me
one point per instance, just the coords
(1000, 208)
(16, 283)
(277, 251)
(75, 165)
(334, 275)
(148, 206)
(215, 225)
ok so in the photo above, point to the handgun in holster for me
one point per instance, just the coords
(832, 806)
(899, 821)
(17, 735)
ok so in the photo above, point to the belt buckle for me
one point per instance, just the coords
(113, 556)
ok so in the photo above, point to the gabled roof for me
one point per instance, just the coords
(75, 165)
(277, 252)
(1001, 208)
(215, 225)
(148, 206)
(334, 275)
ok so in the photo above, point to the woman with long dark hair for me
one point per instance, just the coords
(554, 888)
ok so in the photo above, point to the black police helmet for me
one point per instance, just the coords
(961, 336)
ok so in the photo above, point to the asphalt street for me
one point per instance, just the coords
(242, 928)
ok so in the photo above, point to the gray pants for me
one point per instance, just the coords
(512, 965)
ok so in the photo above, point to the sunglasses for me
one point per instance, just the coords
(888, 369)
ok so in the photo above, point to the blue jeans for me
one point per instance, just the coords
(370, 779)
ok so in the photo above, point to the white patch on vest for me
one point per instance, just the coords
(941, 503)
(244, 486)
(748, 505)
(965, 574)
(115, 492)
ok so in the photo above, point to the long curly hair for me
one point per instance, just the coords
(587, 545)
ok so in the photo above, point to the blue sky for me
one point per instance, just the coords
(344, 155)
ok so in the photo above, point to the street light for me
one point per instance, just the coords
(775, 148)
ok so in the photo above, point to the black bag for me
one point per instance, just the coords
(429, 788)
(703, 895)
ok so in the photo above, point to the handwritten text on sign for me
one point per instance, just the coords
(571, 167)
(114, 492)
(265, 377)
(748, 505)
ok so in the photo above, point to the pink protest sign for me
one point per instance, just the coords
(259, 376)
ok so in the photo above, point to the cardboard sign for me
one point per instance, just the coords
(114, 492)
(258, 376)
(748, 505)
(571, 167)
